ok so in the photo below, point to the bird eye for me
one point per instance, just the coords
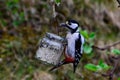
(69, 23)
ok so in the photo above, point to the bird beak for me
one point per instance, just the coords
(63, 25)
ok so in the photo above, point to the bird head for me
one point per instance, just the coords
(72, 25)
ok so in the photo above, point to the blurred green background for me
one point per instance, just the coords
(24, 22)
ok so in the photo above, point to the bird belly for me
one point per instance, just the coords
(70, 50)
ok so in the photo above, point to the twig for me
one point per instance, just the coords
(54, 12)
(113, 70)
(106, 47)
(54, 19)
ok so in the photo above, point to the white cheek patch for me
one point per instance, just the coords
(73, 26)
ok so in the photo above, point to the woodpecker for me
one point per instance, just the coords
(74, 46)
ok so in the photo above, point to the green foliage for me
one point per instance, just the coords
(12, 4)
(91, 67)
(3, 22)
(116, 51)
(89, 37)
(71, 75)
(7, 46)
(57, 2)
(119, 78)
(87, 48)
(102, 66)
(92, 35)
(85, 34)
(20, 71)
(19, 19)
(98, 1)
(14, 8)
(96, 68)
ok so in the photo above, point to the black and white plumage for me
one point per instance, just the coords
(74, 47)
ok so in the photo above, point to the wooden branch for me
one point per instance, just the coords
(106, 47)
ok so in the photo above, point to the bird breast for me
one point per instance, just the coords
(70, 49)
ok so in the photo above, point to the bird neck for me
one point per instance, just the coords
(78, 30)
(75, 31)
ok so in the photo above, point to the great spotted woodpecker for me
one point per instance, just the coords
(74, 47)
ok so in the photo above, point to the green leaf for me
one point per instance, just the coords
(91, 67)
(100, 62)
(85, 34)
(116, 51)
(16, 1)
(103, 65)
(92, 35)
(21, 16)
(57, 2)
(91, 43)
(16, 23)
(119, 78)
(100, 67)
(3, 22)
(87, 48)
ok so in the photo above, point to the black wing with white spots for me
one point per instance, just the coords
(78, 54)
